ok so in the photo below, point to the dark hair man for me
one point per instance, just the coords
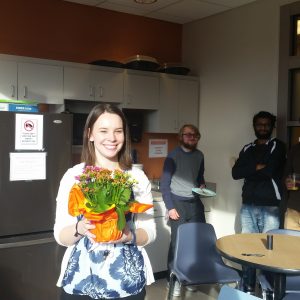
(261, 165)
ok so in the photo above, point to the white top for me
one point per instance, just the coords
(142, 193)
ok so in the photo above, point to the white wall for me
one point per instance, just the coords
(235, 54)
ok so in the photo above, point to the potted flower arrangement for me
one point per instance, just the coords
(104, 197)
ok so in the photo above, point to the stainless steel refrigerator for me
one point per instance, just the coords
(29, 256)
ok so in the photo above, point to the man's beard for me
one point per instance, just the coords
(188, 146)
(263, 136)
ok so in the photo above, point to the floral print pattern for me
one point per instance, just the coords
(107, 271)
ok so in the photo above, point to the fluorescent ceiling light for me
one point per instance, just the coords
(145, 1)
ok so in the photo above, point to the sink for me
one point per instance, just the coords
(157, 196)
(155, 185)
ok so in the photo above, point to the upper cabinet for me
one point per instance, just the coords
(8, 80)
(141, 90)
(178, 104)
(29, 81)
(170, 100)
(188, 102)
(42, 83)
(93, 85)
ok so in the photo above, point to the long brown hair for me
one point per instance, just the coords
(88, 150)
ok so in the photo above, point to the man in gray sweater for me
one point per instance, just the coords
(183, 170)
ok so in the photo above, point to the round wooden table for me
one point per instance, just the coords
(250, 249)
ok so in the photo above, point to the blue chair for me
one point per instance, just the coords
(196, 260)
(291, 296)
(292, 281)
(229, 293)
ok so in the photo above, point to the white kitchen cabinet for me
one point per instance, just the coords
(8, 80)
(41, 83)
(31, 81)
(178, 104)
(158, 250)
(93, 85)
(141, 90)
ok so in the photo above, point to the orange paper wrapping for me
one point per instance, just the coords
(106, 226)
(76, 201)
(106, 223)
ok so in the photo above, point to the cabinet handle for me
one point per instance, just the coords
(25, 92)
(91, 91)
(13, 90)
(101, 91)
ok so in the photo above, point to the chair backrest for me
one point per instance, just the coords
(291, 296)
(285, 231)
(196, 257)
(229, 293)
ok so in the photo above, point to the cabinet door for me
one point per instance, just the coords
(158, 250)
(43, 83)
(78, 84)
(188, 102)
(141, 91)
(178, 105)
(168, 108)
(8, 80)
(109, 86)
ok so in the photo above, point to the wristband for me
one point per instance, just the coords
(76, 234)
(133, 241)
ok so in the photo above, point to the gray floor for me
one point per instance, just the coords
(159, 291)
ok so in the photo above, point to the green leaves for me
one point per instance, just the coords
(102, 188)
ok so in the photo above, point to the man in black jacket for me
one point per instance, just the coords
(261, 165)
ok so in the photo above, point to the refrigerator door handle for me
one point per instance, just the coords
(27, 243)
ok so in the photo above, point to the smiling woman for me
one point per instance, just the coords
(92, 269)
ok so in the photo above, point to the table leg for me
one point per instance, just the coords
(279, 285)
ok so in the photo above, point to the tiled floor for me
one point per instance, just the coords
(159, 291)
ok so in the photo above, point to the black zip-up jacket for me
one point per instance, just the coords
(261, 187)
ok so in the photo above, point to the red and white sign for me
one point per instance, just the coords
(29, 132)
(158, 147)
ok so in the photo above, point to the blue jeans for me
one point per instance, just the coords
(258, 219)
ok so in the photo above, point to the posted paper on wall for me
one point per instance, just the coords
(27, 166)
(158, 148)
(29, 132)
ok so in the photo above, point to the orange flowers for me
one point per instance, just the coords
(104, 197)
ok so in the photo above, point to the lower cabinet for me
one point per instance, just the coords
(158, 250)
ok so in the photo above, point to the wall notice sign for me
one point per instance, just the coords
(29, 132)
(27, 166)
(158, 148)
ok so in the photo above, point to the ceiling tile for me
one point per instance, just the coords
(145, 7)
(231, 3)
(177, 11)
(189, 10)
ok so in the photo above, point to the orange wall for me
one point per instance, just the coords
(153, 166)
(54, 29)
(59, 30)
